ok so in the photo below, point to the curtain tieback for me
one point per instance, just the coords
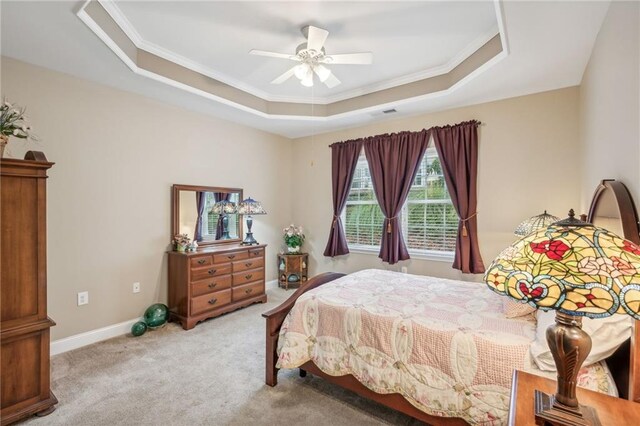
(335, 219)
(389, 223)
(464, 224)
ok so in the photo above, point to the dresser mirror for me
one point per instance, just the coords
(206, 214)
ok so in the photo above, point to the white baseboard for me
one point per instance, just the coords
(83, 339)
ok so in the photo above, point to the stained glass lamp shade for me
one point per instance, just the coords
(534, 223)
(578, 270)
(250, 207)
(225, 207)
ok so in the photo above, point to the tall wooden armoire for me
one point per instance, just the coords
(24, 324)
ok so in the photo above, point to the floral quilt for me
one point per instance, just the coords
(444, 345)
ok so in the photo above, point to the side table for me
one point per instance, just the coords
(611, 411)
(292, 269)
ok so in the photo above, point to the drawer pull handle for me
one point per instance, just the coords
(256, 252)
(212, 271)
(231, 256)
(213, 301)
(249, 290)
(201, 261)
(248, 276)
(213, 285)
(248, 264)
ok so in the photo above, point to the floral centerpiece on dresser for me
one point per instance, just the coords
(13, 122)
(293, 238)
(181, 242)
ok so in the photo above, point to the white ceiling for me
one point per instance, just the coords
(407, 39)
(549, 46)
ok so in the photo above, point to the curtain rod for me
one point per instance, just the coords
(477, 122)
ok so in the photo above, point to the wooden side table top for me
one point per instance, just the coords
(611, 411)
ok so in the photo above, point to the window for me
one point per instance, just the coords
(429, 221)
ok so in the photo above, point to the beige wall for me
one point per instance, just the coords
(528, 162)
(610, 103)
(117, 155)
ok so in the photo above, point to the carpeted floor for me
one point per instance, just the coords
(211, 375)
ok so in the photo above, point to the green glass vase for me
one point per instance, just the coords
(156, 315)
(139, 328)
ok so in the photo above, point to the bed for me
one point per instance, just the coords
(438, 350)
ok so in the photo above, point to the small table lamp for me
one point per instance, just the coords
(250, 207)
(534, 223)
(224, 208)
(578, 270)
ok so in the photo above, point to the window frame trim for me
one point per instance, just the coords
(435, 255)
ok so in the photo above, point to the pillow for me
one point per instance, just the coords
(607, 334)
(514, 309)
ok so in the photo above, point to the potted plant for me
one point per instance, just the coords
(293, 238)
(181, 242)
(13, 122)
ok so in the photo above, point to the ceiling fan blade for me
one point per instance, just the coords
(332, 81)
(285, 76)
(363, 58)
(316, 38)
(273, 54)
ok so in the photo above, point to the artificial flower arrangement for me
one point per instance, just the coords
(181, 242)
(13, 122)
(293, 238)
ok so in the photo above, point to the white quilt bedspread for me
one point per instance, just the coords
(444, 345)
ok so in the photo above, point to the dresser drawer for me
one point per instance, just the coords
(248, 290)
(200, 261)
(210, 271)
(243, 265)
(210, 301)
(210, 285)
(256, 252)
(230, 256)
(248, 276)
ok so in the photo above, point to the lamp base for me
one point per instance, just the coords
(548, 411)
(249, 240)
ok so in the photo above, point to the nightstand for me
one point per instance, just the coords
(292, 269)
(611, 411)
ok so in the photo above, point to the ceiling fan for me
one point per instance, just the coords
(312, 59)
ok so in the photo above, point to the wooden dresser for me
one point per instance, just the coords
(24, 361)
(214, 281)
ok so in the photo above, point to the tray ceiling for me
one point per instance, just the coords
(429, 48)
(409, 40)
(548, 44)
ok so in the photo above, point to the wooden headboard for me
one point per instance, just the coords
(613, 208)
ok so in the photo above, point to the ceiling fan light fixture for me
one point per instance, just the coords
(323, 72)
(301, 71)
(307, 81)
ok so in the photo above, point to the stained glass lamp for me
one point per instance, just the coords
(250, 207)
(578, 270)
(534, 223)
(224, 208)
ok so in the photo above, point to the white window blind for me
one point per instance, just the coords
(429, 221)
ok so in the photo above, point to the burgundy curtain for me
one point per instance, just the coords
(201, 197)
(344, 157)
(393, 162)
(458, 151)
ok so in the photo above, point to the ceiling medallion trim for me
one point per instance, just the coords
(106, 20)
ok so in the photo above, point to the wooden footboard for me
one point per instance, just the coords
(276, 316)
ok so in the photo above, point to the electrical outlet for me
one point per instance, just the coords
(136, 287)
(83, 298)
(403, 269)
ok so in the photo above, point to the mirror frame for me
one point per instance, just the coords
(175, 211)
